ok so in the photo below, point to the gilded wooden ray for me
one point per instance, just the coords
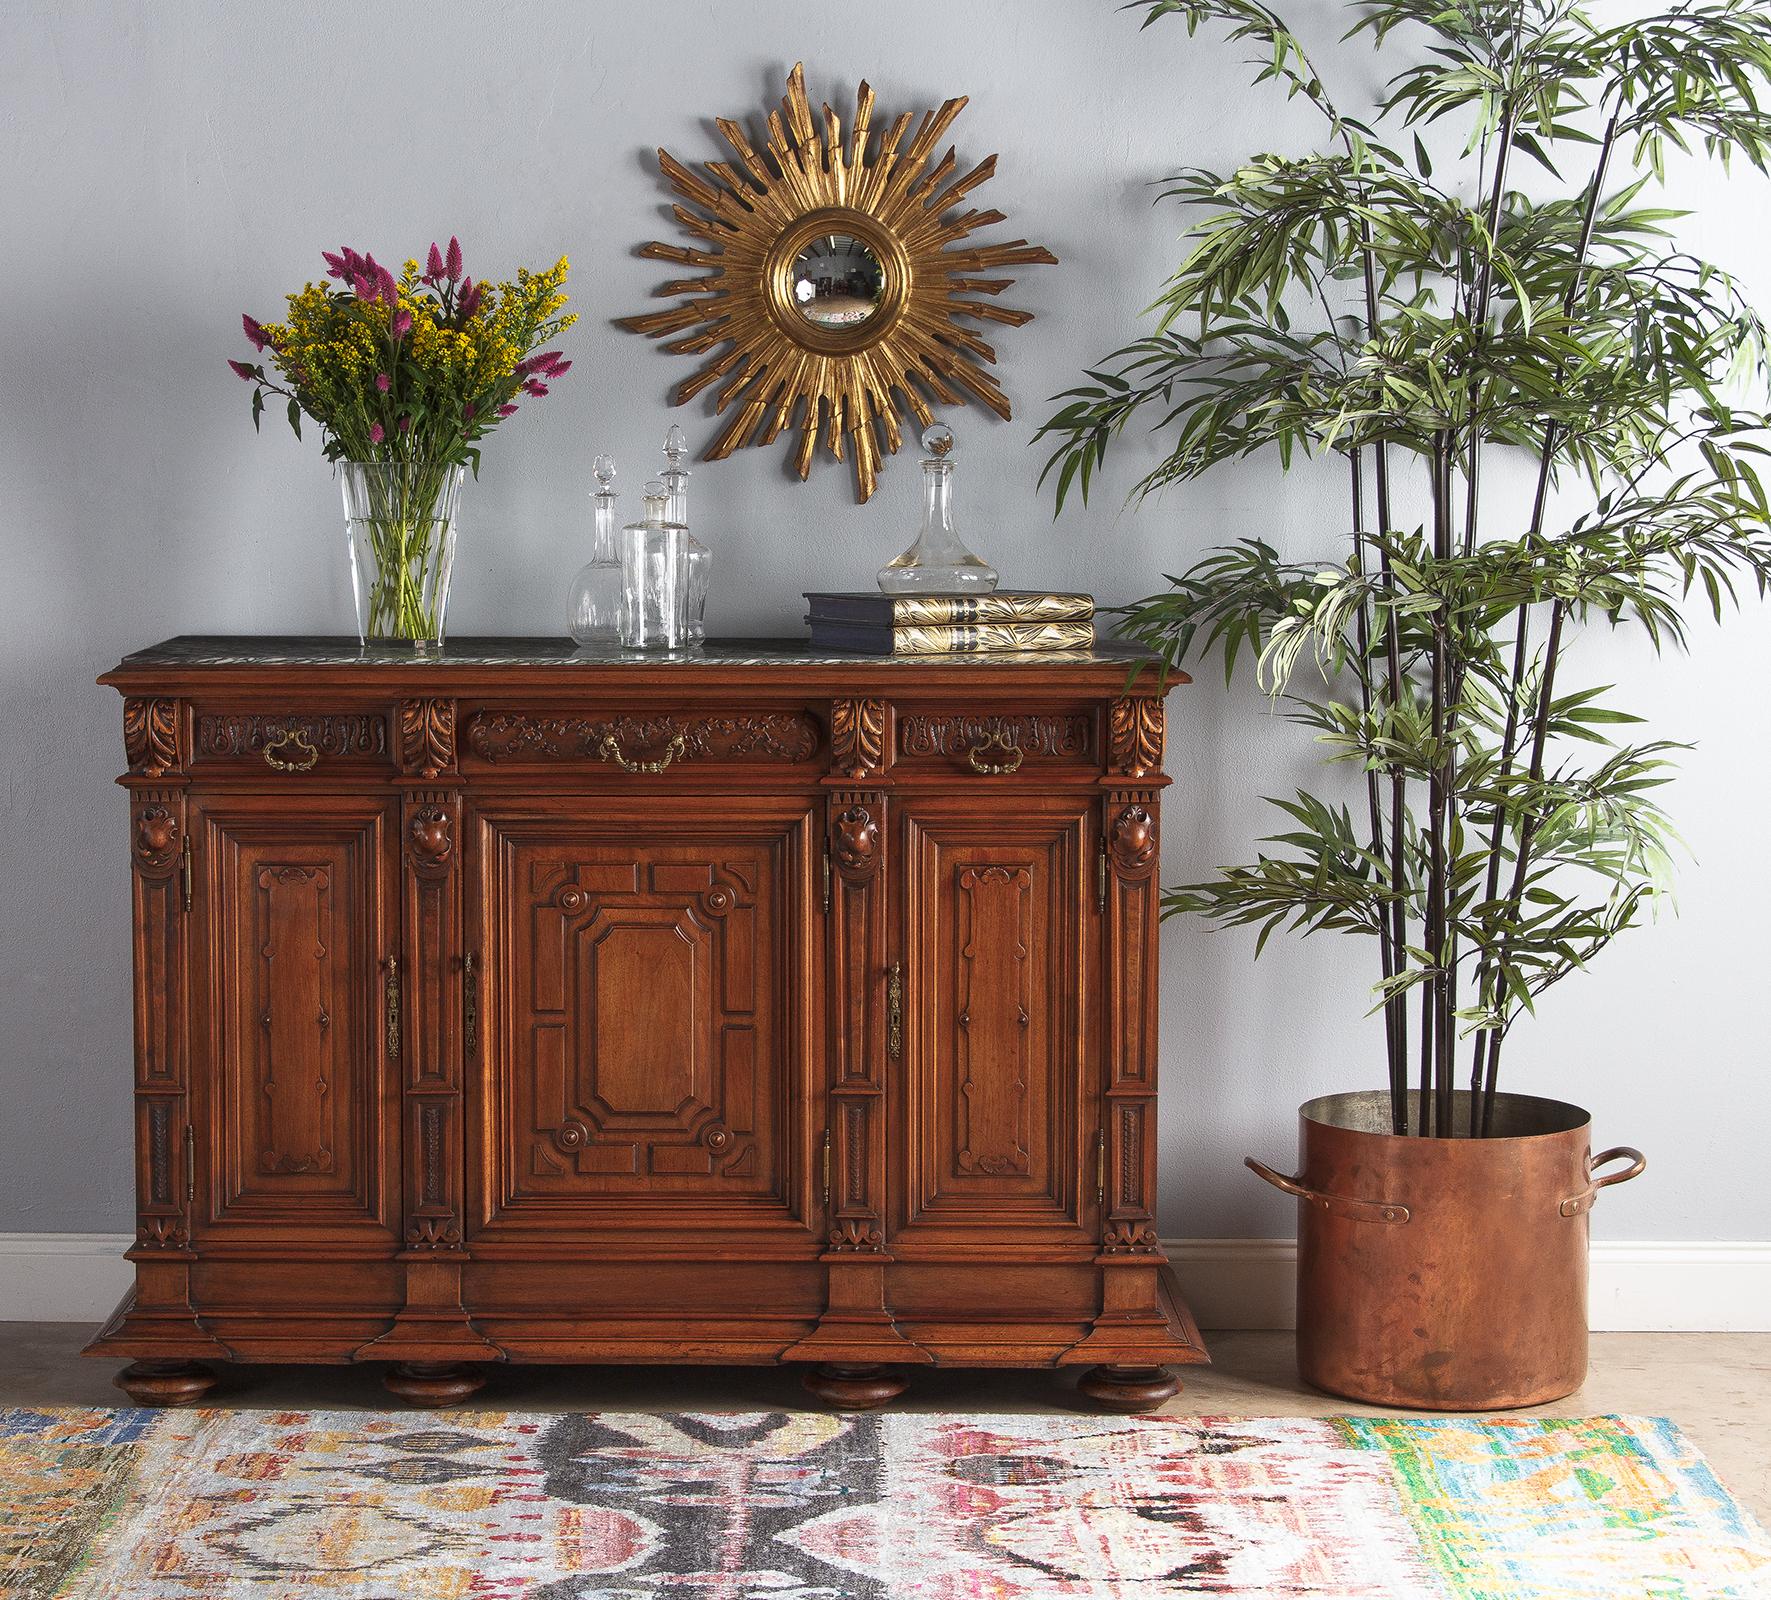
(755, 313)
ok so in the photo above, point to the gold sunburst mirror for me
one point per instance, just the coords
(839, 283)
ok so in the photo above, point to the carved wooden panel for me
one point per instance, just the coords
(1039, 735)
(295, 1030)
(737, 736)
(643, 1050)
(995, 1078)
(231, 736)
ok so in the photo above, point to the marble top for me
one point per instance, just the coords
(270, 650)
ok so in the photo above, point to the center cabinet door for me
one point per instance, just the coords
(648, 1004)
(994, 1107)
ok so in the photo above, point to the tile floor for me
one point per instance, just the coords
(1717, 1386)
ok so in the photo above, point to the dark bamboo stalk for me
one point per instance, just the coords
(1528, 828)
(1387, 953)
(1487, 1048)
(1479, 322)
(1394, 685)
(1438, 800)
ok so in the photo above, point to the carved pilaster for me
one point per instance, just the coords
(857, 737)
(860, 987)
(151, 737)
(1134, 736)
(1132, 847)
(427, 738)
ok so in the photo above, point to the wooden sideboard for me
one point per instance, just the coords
(511, 1004)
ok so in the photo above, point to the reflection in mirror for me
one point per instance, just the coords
(837, 282)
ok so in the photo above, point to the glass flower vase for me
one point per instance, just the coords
(400, 521)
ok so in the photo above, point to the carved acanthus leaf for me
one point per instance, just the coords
(1129, 1238)
(857, 736)
(150, 736)
(857, 1233)
(1135, 727)
(427, 736)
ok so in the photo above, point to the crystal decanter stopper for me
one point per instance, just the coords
(938, 563)
(595, 604)
(700, 559)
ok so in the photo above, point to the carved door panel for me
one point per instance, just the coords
(648, 1005)
(296, 1010)
(994, 1096)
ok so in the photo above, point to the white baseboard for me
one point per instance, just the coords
(1675, 1287)
(1682, 1286)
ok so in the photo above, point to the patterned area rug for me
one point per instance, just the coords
(475, 1505)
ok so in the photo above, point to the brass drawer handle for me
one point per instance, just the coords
(894, 1010)
(610, 750)
(291, 738)
(996, 739)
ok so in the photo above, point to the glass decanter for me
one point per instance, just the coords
(938, 563)
(700, 559)
(654, 578)
(594, 615)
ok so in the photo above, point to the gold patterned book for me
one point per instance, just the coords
(953, 639)
(872, 609)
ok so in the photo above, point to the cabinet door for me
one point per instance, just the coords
(649, 999)
(296, 1019)
(994, 1107)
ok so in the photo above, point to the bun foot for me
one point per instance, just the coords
(433, 1383)
(1129, 1388)
(166, 1383)
(854, 1388)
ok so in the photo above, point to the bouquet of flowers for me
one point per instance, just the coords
(405, 377)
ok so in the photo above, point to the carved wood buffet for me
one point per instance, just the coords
(748, 1006)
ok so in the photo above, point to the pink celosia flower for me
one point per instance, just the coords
(254, 331)
(470, 297)
(535, 387)
(390, 289)
(376, 433)
(469, 412)
(383, 382)
(405, 424)
(365, 288)
(559, 369)
(433, 266)
(453, 265)
(244, 369)
(505, 411)
(402, 324)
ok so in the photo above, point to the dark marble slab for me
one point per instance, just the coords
(270, 650)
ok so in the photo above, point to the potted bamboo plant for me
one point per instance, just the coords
(1498, 824)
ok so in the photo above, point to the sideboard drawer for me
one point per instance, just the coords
(996, 741)
(257, 742)
(644, 741)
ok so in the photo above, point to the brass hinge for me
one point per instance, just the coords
(826, 1166)
(827, 875)
(894, 1010)
(391, 1008)
(470, 1004)
(1100, 1166)
(184, 869)
(190, 1164)
(1101, 878)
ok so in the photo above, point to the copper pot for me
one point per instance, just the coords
(1444, 1274)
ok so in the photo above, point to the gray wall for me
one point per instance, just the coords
(164, 167)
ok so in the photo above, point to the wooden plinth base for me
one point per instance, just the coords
(166, 1383)
(1129, 1388)
(433, 1383)
(854, 1388)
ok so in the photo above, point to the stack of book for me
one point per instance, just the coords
(950, 624)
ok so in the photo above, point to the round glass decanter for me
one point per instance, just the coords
(938, 563)
(594, 605)
(654, 578)
(700, 559)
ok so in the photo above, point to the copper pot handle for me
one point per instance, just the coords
(1336, 1205)
(1638, 1164)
